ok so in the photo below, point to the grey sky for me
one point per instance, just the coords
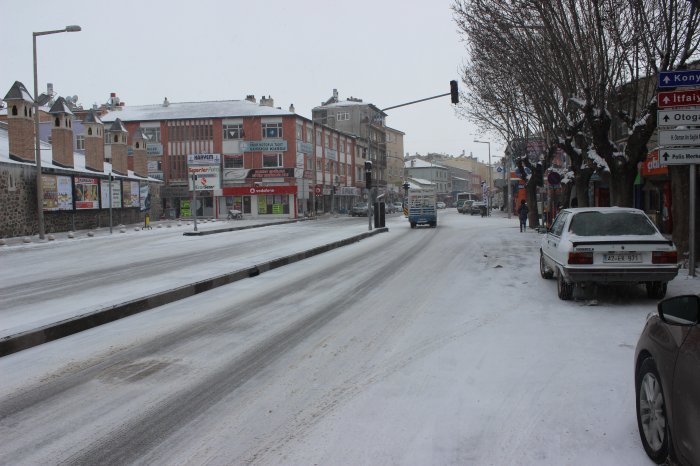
(385, 52)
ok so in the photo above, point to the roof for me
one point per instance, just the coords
(117, 126)
(351, 103)
(60, 107)
(47, 160)
(194, 110)
(420, 163)
(19, 92)
(92, 117)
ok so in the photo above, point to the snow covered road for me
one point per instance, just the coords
(427, 346)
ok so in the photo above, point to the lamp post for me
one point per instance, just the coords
(37, 144)
(490, 183)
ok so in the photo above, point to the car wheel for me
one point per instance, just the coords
(564, 289)
(651, 412)
(656, 290)
(413, 224)
(544, 272)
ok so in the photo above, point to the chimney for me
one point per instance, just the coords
(94, 142)
(165, 102)
(62, 133)
(140, 163)
(291, 108)
(251, 98)
(116, 150)
(20, 123)
(335, 95)
(267, 101)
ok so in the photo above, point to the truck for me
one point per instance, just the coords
(422, 207)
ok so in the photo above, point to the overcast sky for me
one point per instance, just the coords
(385, 52)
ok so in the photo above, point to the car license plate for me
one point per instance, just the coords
(625, 257)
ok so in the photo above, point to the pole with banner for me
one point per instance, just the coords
(194, 200)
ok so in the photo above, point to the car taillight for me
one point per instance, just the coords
(580, 258)
(664, 257)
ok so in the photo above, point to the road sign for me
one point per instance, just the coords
(679, 137)
(673, 118)
(679, 78)
(687, 98)
(680, 156)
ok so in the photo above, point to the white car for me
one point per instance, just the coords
(441, 205)
(607, 245)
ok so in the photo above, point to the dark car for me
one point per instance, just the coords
(359, 210)
(667, 382)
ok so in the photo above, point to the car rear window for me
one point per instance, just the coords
(611, 224)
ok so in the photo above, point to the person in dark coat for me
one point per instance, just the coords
(522, 215)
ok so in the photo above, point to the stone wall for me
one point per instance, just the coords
(18, 207)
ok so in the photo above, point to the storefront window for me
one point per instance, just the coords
(273, 205)
(241, 203)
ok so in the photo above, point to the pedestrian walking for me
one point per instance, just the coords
(522, 215)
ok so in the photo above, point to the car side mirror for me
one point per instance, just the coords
(680, 310)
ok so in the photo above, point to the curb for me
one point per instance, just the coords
(30, 338)
(245, 227)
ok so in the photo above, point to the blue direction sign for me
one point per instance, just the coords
(679, 78)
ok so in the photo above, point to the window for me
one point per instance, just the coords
(272, 130)
(153, 134)
(80, 142)
(327, 144)
(233, 161)
(299, 132)
(342, 116)
(233, 132)
(272, 160)
(309, 134)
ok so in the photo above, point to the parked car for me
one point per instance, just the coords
(441, 205)
(607, 245)
(359, 210)
(398, 206)
(477, 208)
(667, 382)
(389, 208)
(460, 205)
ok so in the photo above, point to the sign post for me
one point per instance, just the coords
(680, 146)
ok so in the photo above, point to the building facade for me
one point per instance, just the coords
(365, 122)
(269, 161)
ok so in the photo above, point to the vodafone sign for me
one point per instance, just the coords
(259, 190)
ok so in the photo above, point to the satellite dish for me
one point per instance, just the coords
(75, 98)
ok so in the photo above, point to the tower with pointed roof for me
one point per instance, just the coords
(20, 123)
(138, 143)
(94, 142)
(116, 148)
(62, 133)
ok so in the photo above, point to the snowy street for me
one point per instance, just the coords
(412, 347)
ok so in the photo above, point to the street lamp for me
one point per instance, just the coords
(490, 183)
(37, 144)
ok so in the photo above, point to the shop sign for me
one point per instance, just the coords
(264, 146)
(652, 166)
(154, 148)
(207, 178)
(258, 173)
(305, 147)
(349, 191)
(332, 154)
(259, 190)
(204, 159)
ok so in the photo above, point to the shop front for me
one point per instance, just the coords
(259, 201)
(652, 192)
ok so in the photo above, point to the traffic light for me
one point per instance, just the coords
(406, 186)
(454, 92)
(368, 174)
